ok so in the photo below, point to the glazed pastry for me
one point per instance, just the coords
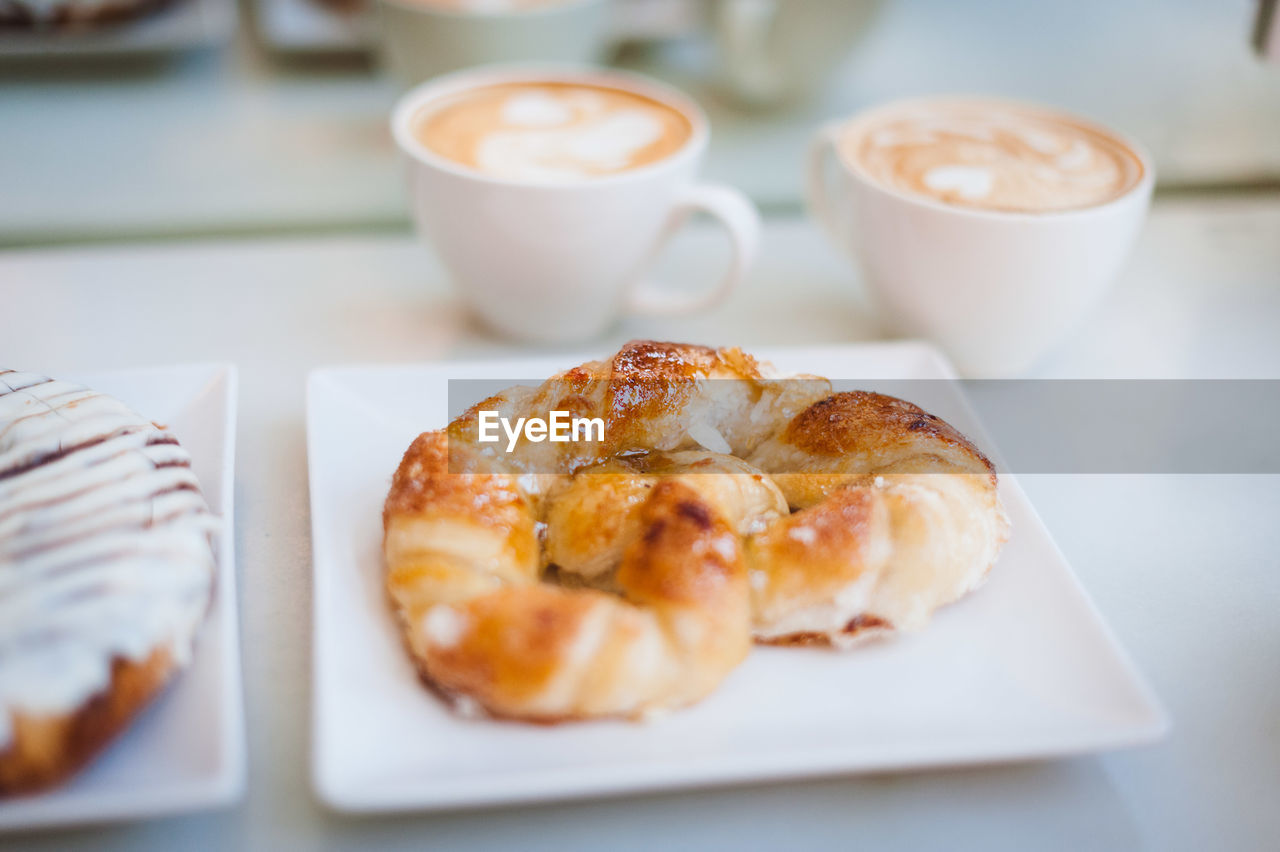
(106, 572)
(853, 514)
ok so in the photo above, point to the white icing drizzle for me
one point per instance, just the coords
(104, 544)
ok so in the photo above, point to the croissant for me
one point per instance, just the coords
(550, 581)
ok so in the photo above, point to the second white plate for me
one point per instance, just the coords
(1024, 668)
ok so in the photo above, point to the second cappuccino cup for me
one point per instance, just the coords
(990, 227)
(546, 194)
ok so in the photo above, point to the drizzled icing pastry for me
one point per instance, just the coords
(106, 571)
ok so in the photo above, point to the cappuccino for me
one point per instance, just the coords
(991, 155)
(552, 131)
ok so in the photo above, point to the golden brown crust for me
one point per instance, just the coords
(424, 488)
(661, 359)
(423, 481)
(516, 641)
(46, 750)
(649, 380)
(687, 556)
(880, 427)
(811, 555)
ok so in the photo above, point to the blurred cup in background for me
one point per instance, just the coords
(547, 191)
(421, 39)
(988, 226)
(771, 52)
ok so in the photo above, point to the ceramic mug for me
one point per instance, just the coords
(995, 289)
(421, 40)
(562, 261)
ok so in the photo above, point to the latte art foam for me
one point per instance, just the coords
(552, 132)
(993, 156)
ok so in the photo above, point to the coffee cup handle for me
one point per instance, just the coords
(741, 222)
(822, 205)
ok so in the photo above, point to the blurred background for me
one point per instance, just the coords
(208, 117)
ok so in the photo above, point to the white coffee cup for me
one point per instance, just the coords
(995, 289)
(421, 40)
(561, 261)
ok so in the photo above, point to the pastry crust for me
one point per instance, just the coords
(47, 750)
(849, 515)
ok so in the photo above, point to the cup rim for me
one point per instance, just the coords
(1141, 187)
(458, 14)
(410, 103)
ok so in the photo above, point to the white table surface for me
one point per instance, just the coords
(1186, 569)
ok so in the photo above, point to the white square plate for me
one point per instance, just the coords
(185, 751)
(1023, 668)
